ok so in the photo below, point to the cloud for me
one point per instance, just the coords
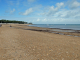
(31, 0)
(53, 10)
(74, 4)
(59, 12)
(38, 19)
(12, 11)
(68, 13)
(34, 9)
(28, 11)
(44, 20)
(59, 5)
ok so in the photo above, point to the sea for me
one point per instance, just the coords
(59, 26)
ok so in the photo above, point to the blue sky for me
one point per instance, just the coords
(41, 11)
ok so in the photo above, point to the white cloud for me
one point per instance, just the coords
(35, 9)
(68, 13)
(31, 0)
(53, 10)
(59, 5)
(44, 20)
(12, 11)
(57, 12)
(74, 4)
(28, 11)
(38, 19)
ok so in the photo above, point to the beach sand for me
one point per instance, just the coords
(20, 43)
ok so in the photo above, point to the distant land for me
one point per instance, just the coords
(13, 21)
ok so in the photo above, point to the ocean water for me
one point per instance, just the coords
(60, 26)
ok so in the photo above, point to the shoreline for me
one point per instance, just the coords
(56, 28)
(56, 32)
(53, 26)
(68, 32)
(72, 30)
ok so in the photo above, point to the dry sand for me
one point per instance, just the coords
(22, 44)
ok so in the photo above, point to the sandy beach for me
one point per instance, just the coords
(20, 43)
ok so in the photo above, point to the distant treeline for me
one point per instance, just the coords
(13, 21)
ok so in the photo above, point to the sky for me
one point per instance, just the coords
(41, 11)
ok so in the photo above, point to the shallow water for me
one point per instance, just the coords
(60, 26)
(61, 30)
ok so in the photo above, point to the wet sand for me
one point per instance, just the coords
(20, 43)
(68, 32)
